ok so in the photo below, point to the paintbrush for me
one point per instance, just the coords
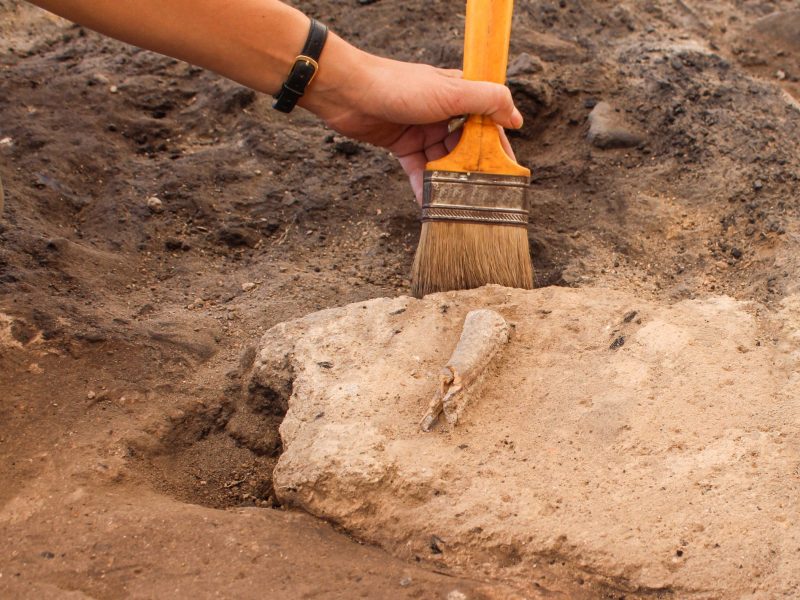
(475, 207)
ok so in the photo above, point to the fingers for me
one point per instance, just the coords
(457, 73)
(451, 140)
(415, 139)
(506, 144)
(481, 98)
(414, 166)
(436, 151)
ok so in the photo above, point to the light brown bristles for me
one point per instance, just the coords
(462, 256)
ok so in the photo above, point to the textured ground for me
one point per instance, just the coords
(124, 330)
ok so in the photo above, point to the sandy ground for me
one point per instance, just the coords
(125, 327)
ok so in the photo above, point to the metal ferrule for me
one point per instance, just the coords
(476, 198)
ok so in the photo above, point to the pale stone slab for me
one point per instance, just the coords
(612, 441)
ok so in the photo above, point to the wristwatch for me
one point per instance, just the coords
(304, 69)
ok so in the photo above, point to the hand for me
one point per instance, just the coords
(406, 107)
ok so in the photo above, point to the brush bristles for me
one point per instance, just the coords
(462, 256)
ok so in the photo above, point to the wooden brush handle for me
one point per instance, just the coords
(486, 40)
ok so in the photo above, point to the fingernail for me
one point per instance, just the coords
(456, 123)
(516, 119)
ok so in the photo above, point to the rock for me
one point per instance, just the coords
(236, 99)
(248, 286)
(532, 96)
(172, 244)
(552, 48)
(627, 464)
(35, 369)
(607, 129)
(155, 205)
(346, 147)
(525, 64)
(236, 237)
(781, 29)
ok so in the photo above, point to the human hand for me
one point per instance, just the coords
(406, 107)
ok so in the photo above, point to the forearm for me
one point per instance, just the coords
(253, 42)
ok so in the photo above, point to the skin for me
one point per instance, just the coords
(255, 42)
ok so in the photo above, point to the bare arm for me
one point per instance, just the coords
(255, 42)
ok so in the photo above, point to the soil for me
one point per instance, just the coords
(126, 322)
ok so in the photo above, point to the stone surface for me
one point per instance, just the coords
(155, 204)
(525, 64)
(608, 129)
(781, 28)
(614, 442)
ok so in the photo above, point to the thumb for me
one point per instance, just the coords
(465, 97)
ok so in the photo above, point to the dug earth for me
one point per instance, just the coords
(615, 443)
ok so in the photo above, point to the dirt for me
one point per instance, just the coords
(125, 325)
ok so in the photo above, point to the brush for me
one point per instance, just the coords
(475, 207)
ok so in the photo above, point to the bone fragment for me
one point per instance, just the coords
(485, 332)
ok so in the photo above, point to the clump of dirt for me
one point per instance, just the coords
(158, 219)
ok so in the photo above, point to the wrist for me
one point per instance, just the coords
(341, 80)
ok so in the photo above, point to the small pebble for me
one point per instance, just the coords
(155, 205)
(246, 287)
(525, 64)
(405, 582)
(346, 147)
(91, 395)
(608, 129)
(436, 545)
(113, 89)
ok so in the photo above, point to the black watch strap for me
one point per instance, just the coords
(304, 69)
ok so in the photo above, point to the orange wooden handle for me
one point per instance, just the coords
(486, 40)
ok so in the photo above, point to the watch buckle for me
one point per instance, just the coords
(309, 61)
